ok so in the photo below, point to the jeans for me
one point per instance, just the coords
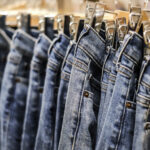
(4, 50)
(117, 132)
(142, 120)
(14, 90)
(82, 103)
(35, 90)
(109, 92)
(56, 54)
(62, 92)
(104, 84)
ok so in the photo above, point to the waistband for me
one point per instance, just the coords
(23, 42)
(93, 44)
(41, 47)
(132, 47)
(60, 44)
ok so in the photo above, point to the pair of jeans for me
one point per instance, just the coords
(56, 54)
(35, 90)
(141, 139)
(62, 92)
(14, 90)
(104, 83)
(109, 91)
(117, 131)
(83, 98)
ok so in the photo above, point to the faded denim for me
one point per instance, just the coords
(35, 91)
(56, 54)
(83, 98)
(117, 132)
(62, 92)
(14, 90)
(142, 120)
(104, 83)
(109, 91)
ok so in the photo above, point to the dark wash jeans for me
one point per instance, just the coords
(142, 120)
(14, 90)
(35, 90)
(56, 54)
(104, 83)
(4, 50)
(82, 103)
(62, 92)
(117, 132)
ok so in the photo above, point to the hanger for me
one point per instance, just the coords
(63, 24)
(24, 21)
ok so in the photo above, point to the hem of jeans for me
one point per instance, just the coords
(57, 53)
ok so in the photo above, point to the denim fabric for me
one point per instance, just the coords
(4, 50)
(117, 132)
(36, 83)
(45, 134)
(14, 90)
(109, 92)
(82, 103)
(9, 31)
(104, 84)
(62, 92)
(142, 120)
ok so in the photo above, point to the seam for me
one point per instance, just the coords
(130, 58)
(145, 84)
(79, 110)
(91, 56)
(124, 74)
(57, 53)
(143, 97)
(122, 121)
(124, 67)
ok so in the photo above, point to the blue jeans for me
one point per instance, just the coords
(14, 90)
(117, 131)
(4, 50)
(62, 92)
(83, 97)
(109, 91)
(141, 139)
(56, 54)
(35, 90)
(104, 85)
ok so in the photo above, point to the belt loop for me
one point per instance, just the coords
(53, 43)
(122, 50)
(67, 53)
(142, 72)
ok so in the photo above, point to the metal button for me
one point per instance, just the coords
(128, 104)
(86, 94)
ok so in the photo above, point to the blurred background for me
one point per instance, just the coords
(60, 6)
